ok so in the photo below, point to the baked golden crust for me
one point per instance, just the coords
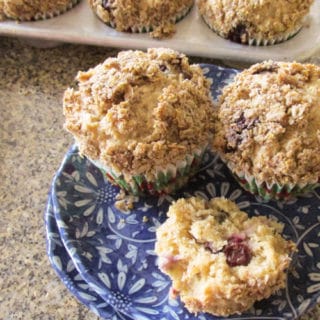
(30, 9)
(132, 15)
(2, 14)
(269, 123)
(193, 246)
(140, 111)
(242, 20)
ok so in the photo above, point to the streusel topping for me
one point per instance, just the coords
(269, 123)
(2, 14)
(220, 260)
(28, 9)
(129, 15)
(140, 111)
(242, 19)
(126, 15)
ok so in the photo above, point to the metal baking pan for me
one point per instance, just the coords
(193, 36)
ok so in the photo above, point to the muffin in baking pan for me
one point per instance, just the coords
(268, 127)
(221, 261)
(157, 16)
(144, 118)
(26, 10)
(263, 22)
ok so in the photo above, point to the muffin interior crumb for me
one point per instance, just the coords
(220, 260)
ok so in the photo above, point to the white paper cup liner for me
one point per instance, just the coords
(163, 180)
(258, 41)
(273, 190)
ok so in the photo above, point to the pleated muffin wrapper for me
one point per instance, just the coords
(164, 180)
(47, 15)
(274, 190)
(143, 29)
(259, 41)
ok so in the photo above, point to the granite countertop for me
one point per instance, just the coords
(32, 144)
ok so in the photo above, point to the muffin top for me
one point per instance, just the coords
(2, 14)
(140, 110)
(241, 19)
(126, 15)
(220, 260)
(29, 9)
(269, 123)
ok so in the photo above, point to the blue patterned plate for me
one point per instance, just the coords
(113, 250)
(66, 270)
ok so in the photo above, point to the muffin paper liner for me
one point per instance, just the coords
(48, 15)
(259, 41)
(272, 191)
(144, 29)
(165, 180)
(280, 38)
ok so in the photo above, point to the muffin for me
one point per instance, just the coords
(268, 128)
(219, 260)
(33, 9)
(158, 16)
(144, 118)
(261, 22)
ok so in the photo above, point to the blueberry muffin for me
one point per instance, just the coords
(25, 10)
(261, 22)
(268, 128)
(158, 16)
(221, 261)
(144, 118)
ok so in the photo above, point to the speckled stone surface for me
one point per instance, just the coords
(32, 144)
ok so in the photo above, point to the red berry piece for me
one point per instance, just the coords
(237, 251)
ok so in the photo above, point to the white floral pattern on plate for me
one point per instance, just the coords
(112, 251)
(66, 270)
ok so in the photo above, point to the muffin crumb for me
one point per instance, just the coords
(124, 202)
(163, 31)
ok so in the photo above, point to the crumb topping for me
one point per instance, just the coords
(124, 202)
(220, 260)
(2, 14)
(269, 123)
(131, 15)
(243, 20)
(140, 111)
(27, 9)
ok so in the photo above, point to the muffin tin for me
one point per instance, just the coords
(193, 36)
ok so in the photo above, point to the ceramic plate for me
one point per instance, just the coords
(193, 36)
(113, 250)
(66, 270)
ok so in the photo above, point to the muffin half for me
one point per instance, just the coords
(221, 261)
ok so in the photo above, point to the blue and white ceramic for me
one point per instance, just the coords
(106, 257)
